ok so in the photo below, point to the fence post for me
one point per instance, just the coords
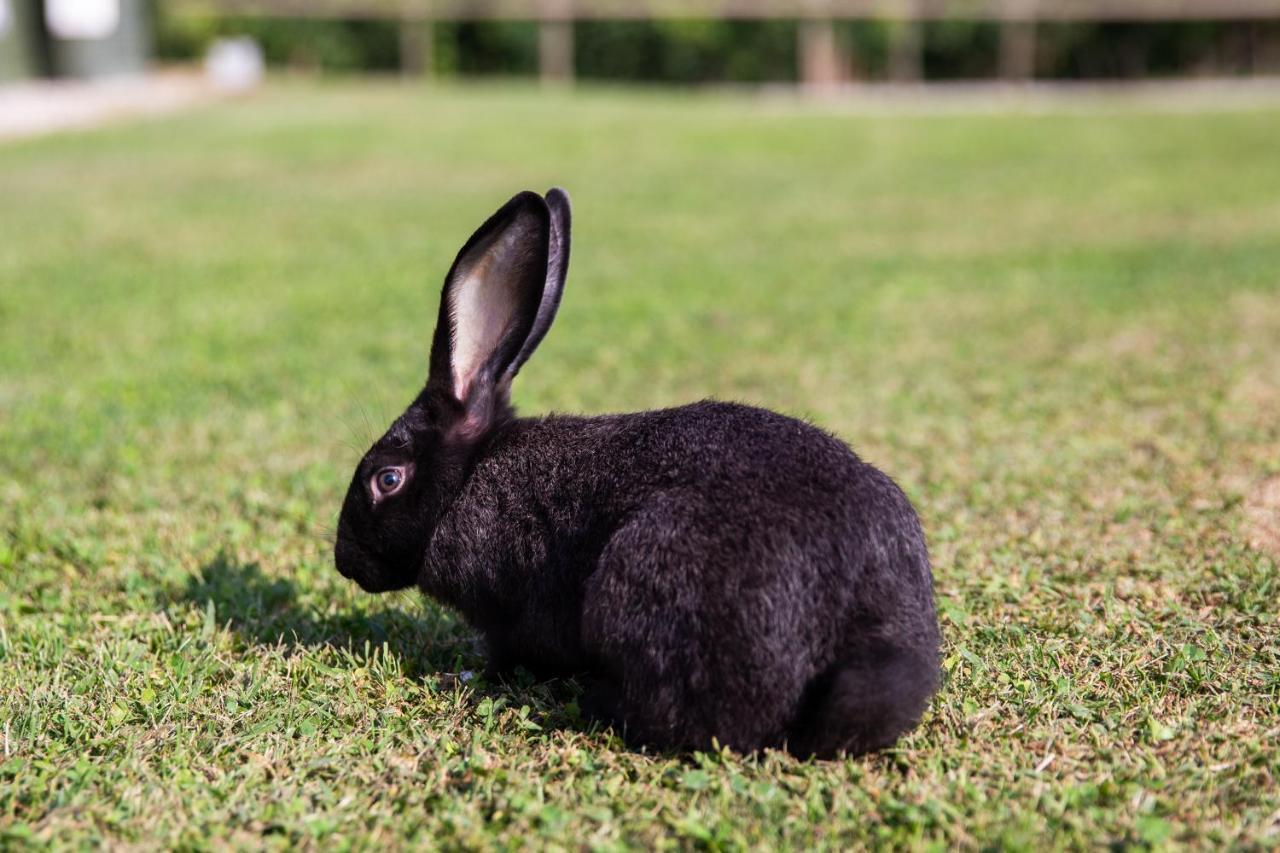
(819, 54)
(555, 42)
(906, 46)
(1018, 40)
(416, 46)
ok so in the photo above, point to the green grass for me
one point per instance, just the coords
(1060, 333)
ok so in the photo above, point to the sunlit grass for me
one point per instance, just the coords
(1060, 333)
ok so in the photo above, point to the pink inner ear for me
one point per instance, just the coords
(483, 306)
(471, 427)
(480, 412)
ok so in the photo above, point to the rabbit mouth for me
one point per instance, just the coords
(354, 564)
(348, 558)
(371, 573)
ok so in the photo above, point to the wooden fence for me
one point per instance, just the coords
(822, 56)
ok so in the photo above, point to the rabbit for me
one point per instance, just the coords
(713, 573)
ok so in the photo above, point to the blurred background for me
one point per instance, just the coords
(822, 44)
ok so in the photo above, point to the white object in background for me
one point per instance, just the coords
(235, 64)
(82, 19)
(6, 17)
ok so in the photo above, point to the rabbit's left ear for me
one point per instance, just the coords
(491, 303)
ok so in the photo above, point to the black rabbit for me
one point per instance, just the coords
(713, 571)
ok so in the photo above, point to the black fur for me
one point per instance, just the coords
(713, 571)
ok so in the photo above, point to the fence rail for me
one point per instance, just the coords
(823, 59)
(912, 10)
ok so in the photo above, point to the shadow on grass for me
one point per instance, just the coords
(270, 611)
(427, 640)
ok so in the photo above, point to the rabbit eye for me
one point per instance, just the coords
(388, 481)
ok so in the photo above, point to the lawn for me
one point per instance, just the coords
(1059, 332)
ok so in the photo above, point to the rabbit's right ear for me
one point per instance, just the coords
(489, 306)
(557, 271)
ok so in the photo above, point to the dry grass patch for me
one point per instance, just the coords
(1262, 517)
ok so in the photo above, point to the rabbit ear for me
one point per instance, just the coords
(492, 297)
(557, 270)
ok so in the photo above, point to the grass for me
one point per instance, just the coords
(1060, 333)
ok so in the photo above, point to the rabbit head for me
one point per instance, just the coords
(498, 301)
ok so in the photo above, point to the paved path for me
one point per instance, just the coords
(46, 106)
